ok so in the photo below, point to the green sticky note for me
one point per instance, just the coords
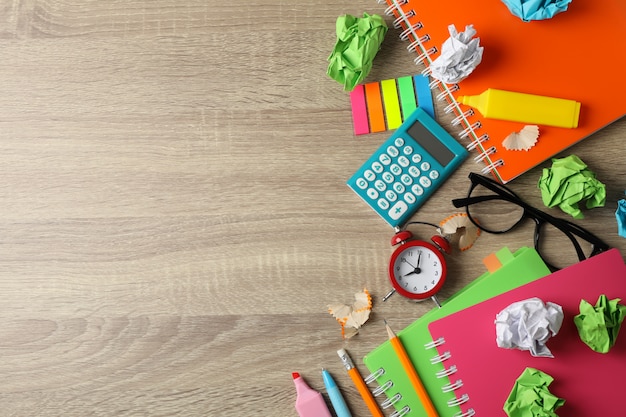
(599, 326)
(407, 96)
(530, 396)
(569, 182)
(358, 42)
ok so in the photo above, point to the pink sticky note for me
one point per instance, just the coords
(359, 110)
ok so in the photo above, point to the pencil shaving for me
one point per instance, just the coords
(461, 226)
(352, 317)
(522, 140)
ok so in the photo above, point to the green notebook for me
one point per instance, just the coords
(508, 271)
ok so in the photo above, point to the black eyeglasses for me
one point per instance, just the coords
(494, 208)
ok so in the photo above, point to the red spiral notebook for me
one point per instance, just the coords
(579, 54)
(591, 383)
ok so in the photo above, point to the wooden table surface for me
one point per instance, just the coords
(175, 217)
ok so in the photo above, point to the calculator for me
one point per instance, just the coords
(400, 176)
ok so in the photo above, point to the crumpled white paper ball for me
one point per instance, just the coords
(460, 54)
(527, 325)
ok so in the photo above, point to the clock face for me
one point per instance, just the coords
(417, 270)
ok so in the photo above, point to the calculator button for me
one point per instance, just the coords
(380, 185)
(404, 161)
(408, 150)
(395, 169)
(406, 179)
(391, 196)
(425, 181)
(372, 193)
(434, 174)
(377, 167)
(425, 166)
(384, 159)
(361, 183)
(369, 175)
(409, 198)
(398, 188)
(417, 190)
(416, 158)
(399, 142)
(398, 210)
(393, 151)
(383, 204)
(388, 177)
(414, 172)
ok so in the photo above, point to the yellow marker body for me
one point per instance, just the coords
(524, 108)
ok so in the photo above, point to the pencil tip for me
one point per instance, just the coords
(390, 332)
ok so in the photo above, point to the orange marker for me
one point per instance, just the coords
(411, 373)
(360, 384)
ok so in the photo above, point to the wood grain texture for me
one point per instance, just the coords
(174, 214)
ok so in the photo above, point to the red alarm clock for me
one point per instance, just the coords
(417, 269)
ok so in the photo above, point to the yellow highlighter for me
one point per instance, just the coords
(524, 108)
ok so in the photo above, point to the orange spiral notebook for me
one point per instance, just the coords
(579, 54)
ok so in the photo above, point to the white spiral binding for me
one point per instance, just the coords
(470, 129)
(446, 372)
(458, 401)
(440, 358)
(449, 89)
(437, 342)
(425, 55)
(374, 375)
(457, 120)
(469, 413)
(394, 7)
(484, 154)
(412, 47)
(397, 22)
(452, 386)
(404, 35)
(477, 142)
(400, 413)
(391, 401)
(492, 166)
(382, 388)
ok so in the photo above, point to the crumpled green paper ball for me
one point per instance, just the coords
(569, 182)
(530, 396)
(358, 42)
(598, 326)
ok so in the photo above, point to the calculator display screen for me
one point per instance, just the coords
(430, 143)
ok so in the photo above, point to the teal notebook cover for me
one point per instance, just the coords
(515, 269)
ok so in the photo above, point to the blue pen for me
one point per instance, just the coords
(339, 404)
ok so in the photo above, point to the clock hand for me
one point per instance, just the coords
(416, 269)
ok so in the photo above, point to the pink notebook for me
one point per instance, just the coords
(591, 383)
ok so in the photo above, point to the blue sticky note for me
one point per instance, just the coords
(528, 10)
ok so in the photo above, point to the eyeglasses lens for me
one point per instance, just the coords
(557, 249)
(496, 215)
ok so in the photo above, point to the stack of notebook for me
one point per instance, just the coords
(463, 331)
